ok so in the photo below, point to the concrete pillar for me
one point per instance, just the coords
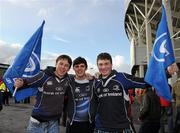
(141, 71)
(132, 51)
(148, 34)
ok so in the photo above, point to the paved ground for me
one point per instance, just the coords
(14, 118)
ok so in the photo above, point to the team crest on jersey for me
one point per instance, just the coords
(59, 88)
(116, 88)
(77, 90)
(49, 83)
(88, 88)
(105, 90)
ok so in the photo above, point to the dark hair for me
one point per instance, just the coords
(64, 57)
(104, 56)
(80, 60)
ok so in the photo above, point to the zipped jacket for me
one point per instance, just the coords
(112, 94)
(71, 106)
(50, 95)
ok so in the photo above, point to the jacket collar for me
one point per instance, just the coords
(108, 79)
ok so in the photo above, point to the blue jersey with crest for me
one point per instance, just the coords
(82, 97)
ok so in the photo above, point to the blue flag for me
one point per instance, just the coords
(26, 64)
(162, 56)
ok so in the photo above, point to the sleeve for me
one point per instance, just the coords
(145, 109)
(134, 82)
(36, 81)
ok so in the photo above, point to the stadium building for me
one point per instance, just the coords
(141, 21)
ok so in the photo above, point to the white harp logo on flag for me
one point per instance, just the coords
(32, 66)
(162, 48)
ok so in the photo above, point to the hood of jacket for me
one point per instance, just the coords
(50, 71)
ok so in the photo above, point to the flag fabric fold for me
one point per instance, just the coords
(26, 64)
(161, 57)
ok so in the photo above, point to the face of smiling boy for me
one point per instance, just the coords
(80, 70)
(104, 66)
(62, 67)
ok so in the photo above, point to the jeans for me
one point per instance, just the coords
(43, 127)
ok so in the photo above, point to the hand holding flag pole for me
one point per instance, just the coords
(17, 84)
(173, 69)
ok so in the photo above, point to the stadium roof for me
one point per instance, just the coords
(135, 20)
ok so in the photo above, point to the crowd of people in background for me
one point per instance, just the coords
(4, 95)
(95, 104)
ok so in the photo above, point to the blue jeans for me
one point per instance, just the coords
(43, 127)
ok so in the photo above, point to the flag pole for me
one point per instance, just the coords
(14, 93)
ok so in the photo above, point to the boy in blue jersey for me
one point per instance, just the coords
(80, 107)
(111, 91)
(51, 84)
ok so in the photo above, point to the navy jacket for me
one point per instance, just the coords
(50, 96)
(111, 94)
(71, 106)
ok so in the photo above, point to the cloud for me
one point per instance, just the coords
(8, 51)
(120, 65)
(60, 39)
(48, 59)
(44, 13)
(42, 8)
(23, 3)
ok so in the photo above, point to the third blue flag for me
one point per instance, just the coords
(162, 56)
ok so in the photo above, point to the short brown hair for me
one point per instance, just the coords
(64, 57)
(80, 60)
(104, 56)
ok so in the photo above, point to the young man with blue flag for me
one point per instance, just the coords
(111, 91)
(51, 85)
